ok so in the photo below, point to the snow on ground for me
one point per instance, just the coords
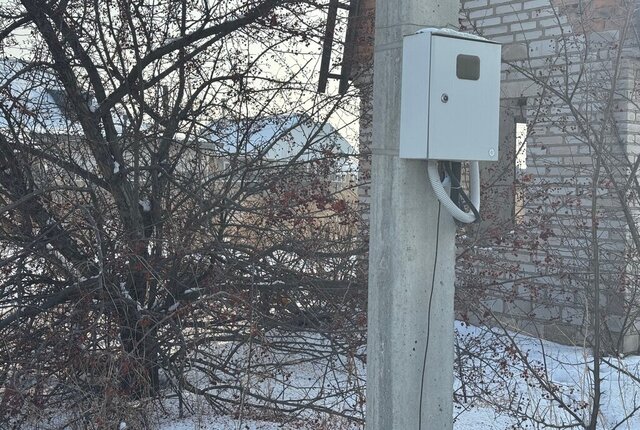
(505, 389)
(221, 422)
(229, 423)
(479, 418)
(566, 370)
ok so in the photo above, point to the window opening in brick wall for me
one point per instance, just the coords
(520, 170)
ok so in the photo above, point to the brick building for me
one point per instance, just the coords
(556, 253)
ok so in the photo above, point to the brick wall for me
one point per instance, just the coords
(363, 80)
(558, 72)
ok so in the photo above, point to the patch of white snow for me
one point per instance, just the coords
(146, 205)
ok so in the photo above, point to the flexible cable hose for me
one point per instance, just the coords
(443, 195)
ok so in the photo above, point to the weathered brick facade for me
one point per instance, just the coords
(570, 73)
(363, 80)
(566, 76)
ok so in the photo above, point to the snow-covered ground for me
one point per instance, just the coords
(503, 381)
(508, 388)
(540, 384)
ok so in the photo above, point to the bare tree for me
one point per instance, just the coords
(169, 182)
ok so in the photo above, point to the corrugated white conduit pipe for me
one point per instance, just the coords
(443, 195)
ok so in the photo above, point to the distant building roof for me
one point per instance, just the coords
(281, 137)
(31, 97)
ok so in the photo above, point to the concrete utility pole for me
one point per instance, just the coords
(408, 302)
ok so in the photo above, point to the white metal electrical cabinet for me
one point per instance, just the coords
(450, 96)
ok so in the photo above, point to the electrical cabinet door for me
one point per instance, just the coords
(464, 97)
